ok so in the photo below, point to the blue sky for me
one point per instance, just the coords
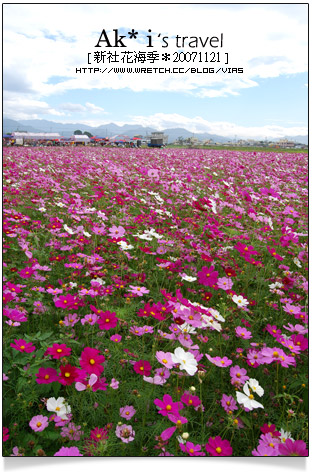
(270, 98)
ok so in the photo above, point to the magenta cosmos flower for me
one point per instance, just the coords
(207, 276)
(107, 320)
(73, 451)
(218, 447)
(192, 449)
(142, 367)
(57, 351)
(38, 423)
(23, 346)
(46, 375)
(91, 361)
(167, 406)
(127, 412)
(293, 448)
(125, 433)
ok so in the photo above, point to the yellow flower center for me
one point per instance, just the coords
(38, 424)
(67, 374)
(46, 377)
(164, 361)
(168, 407)
(59, 350)
(91, 361)
(218, 450)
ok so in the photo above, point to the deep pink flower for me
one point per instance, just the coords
(218, 447)
(142, 367)
(190, 400)
(107, 320)
(57, 351)
(46, 375)
(207, 276)
(38, 423)
(23, 346)
(273, 252)
(293, 448)
(191, 449)
(178, 420)
(116, 338)
(167, 406)
(91, 361)
(99, 434)
(68, 374)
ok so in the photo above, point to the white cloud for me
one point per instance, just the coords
(226, 129)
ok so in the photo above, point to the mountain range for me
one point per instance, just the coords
(111, 129)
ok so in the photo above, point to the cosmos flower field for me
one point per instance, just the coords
(155, 302)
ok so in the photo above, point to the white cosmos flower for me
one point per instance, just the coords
(255, 386)
(59, 407)
(247, 399)
(186, 360)
(240, 301)
(187, 277)
(68, 229)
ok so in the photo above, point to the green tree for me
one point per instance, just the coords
(78, 132)
(88, 134)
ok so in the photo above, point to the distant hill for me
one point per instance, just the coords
(111, 129)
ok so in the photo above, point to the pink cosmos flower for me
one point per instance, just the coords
(38, 423)
(178, 420)
(90, 319)
(238, 375)
(291, 309)
(224, 283)
(46, 375)
(139, 290)
(243, 333)
(275, 354)
(116, 232)
(23, 346)
(125, 433)
(191, 449)
(99, 434)
(114, 384)
(228, 403)
(218, 447)
(116, 338)
(165, 359)
(219, 361)
(73, 451)
(71, 432)
(91, 361)
(127, 412)
(142, 367)
(57, 351)
(81, 386)
(293, 448)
